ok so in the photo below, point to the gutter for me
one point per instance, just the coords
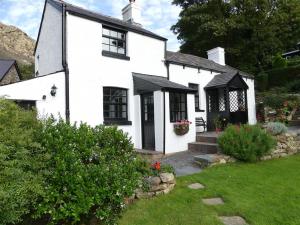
(65, 62)
(164, 127)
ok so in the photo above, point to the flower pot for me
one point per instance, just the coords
(218, 130)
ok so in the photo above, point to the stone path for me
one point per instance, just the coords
(226, 220)
(196, 186)
(213, 201)
(232, 220)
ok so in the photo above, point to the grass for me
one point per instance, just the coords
(265, 193)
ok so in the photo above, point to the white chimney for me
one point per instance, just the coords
(217, 55)
(132, 13)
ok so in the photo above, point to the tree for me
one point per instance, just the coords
(27, 71)
(250, 31)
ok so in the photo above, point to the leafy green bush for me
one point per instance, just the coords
(276, 128)
(20, 162)
(282, 76)
(294, 86)
(90, 172)
(246, 143)
(262, 81)
(279, 62)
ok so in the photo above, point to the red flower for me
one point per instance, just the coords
(156, 166)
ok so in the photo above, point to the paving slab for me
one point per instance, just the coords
(213, 201)
(196, 186)
(183, 163)
(233, 220)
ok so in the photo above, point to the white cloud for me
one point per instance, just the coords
(157, 15)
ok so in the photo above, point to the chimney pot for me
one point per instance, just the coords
(132, 13)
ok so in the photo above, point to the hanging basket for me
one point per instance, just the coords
(181, 129)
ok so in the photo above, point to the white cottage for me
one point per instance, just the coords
(101, 70)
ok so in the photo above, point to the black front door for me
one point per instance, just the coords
(148, 134)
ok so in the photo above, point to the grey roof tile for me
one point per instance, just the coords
(199, 62)
(148, 83)
(110, 20)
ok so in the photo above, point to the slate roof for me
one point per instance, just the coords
(5, 66)
(148, 83)
(199, 62)
(107, 19)
(223, 80)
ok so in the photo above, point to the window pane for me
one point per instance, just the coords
(105, 40)
(105, 47)
(113, 42)
(113, 34)
(105, 31)
(121, 51)
(113, 49)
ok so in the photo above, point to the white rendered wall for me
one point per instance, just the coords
(251, 101)
(175, 143)
(186, 75)
(35, 89)
(159, 120)
(90, 72)
(49, 48)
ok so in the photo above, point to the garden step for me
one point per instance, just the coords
(206, 139)
(206, 159)
(204, 147)
(294, 123)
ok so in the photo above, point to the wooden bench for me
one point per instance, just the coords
(201, 123)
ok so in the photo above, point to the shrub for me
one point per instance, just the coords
(276, 128)
(90, 172)
(279, 62)
(20, 162)
(282, 76)
(294, 86)
(262, 80)
(246, 143)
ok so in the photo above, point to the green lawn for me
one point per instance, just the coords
(265, 193)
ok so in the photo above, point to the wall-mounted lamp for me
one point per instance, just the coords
(53, 90)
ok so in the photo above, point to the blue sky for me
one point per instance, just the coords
(158, 15)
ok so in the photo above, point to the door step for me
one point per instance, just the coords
(206, 139)
(204, 147)
(206, 160)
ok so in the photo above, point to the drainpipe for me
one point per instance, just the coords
(164, 104)
(65, 62)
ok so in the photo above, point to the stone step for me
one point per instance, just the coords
(296, 117)
(206, 139)
(206, 159)
(294, 123)
(204, 147)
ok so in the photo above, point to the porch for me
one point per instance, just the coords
(226, 97)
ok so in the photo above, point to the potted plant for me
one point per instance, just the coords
(182, 127)
(218, 124)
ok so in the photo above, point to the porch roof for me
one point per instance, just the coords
(230, 79)
(149, 83)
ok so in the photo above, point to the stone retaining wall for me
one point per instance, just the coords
(157, 185)
(287, 144)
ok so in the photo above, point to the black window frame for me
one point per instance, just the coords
(118, 106)
(117, 39)
(176, 106)
(197, 95)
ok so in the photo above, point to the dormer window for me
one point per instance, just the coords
(114, 43)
